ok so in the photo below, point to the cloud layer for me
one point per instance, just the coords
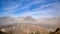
(41, 8)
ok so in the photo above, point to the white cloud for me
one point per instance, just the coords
(16, 7)
(12, 9)
(54, 7)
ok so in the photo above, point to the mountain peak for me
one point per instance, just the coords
(29, 18)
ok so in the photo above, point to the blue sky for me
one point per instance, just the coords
(34, 8)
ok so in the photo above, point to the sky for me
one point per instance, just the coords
(34, 8)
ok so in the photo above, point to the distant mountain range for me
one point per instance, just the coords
(43, 22)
